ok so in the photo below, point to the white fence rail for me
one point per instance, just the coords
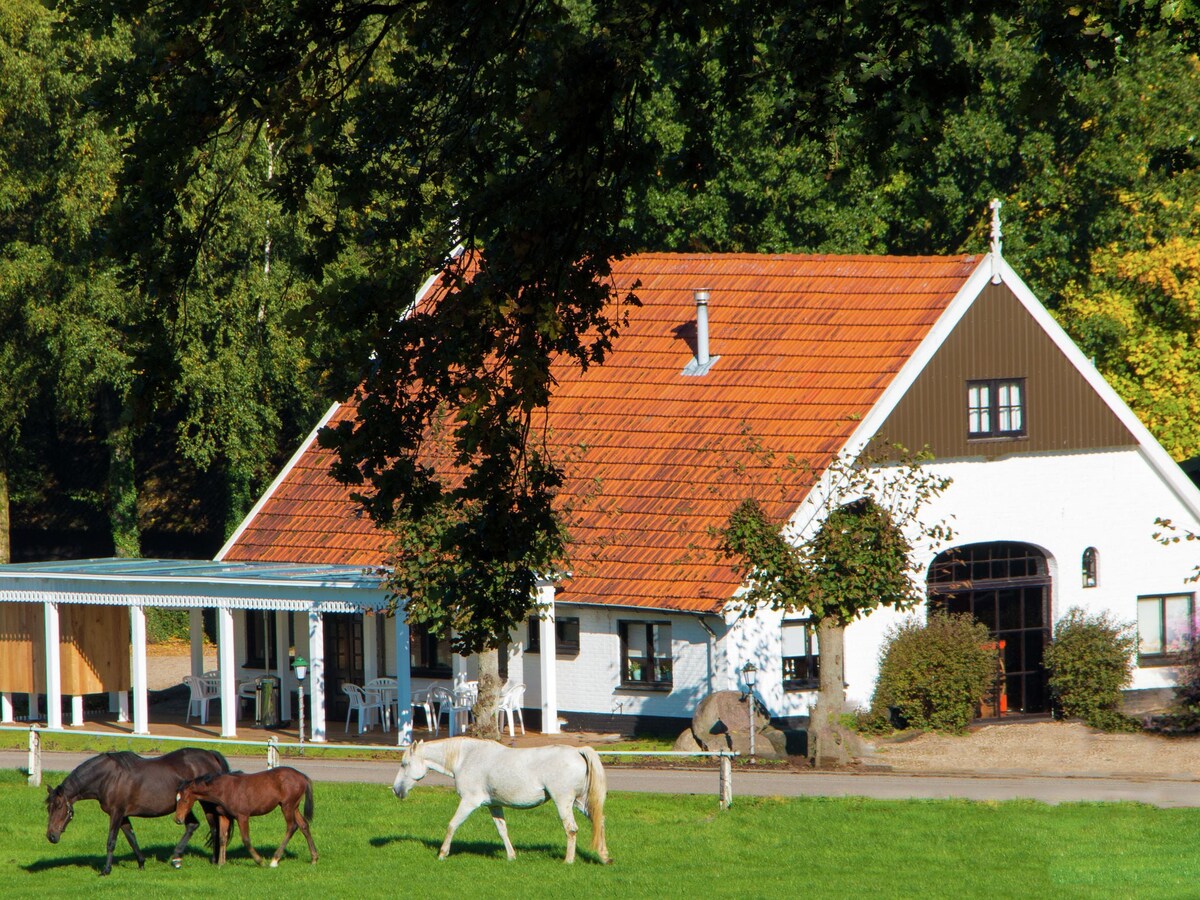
(273, 746)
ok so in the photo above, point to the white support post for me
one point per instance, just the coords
(282, 667)
(549, 659)
(53, 668)
(76, 711)
(316, 675)
(403, 680)
(228, 670)
(34, 708)
(35, 757)
(141, 686)
(196, 639)
(122, 706)
(726, 782)
(6, 708)
(370, 646)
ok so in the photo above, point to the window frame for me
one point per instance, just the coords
(260, 658)
(812, 656)
(1090, 565)
(652, 662)
(1163, 657)
(992, 410)
(563, 647)
(427, 643)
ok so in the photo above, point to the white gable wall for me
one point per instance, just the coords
(1060, 503)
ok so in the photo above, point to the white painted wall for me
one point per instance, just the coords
(1061, 503)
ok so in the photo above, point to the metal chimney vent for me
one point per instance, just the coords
(702, 361)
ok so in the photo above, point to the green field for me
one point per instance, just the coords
(373, 845)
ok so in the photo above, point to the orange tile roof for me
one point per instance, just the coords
(807, 345)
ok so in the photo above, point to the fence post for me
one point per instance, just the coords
(726, 787)
(273, 752)
(35, 757)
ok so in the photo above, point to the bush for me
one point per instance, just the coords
(1090, 661)
(167, 624)
(1185, 719)
(935, 674)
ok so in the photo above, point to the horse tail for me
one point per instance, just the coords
(597, 790)
(221, 760)
(308, 799)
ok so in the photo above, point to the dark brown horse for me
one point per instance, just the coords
(239, 796)
(125, 785)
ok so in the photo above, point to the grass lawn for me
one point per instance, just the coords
(373, 845)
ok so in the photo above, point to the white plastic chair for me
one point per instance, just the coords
(442, 701)
(424, 701)
(464, 697)
(247, 690)
(387, 691)
(203, 689)
(512, 698)
(362, 703)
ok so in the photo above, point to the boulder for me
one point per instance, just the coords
(722, 722)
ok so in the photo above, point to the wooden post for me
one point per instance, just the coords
(273, 752)
(35, 757)
(726, 787)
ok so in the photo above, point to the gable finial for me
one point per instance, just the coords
(996, 235)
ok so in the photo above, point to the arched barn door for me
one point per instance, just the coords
(1006, 586)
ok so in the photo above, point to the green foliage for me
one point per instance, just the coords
(1185, 717)
(935, 673)
(1090, 661)
(861, 555)
(163, 624)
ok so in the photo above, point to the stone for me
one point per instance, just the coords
(722, 722)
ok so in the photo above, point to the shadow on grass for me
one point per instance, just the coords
(160, 853)
(488, 848)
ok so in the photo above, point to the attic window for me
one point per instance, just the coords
(996, 408)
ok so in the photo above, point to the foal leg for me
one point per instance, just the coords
(502, 827)
(303, 824)
(224, 824)
(191, 823)
(465, 808)
(289, 819)
(244, 827)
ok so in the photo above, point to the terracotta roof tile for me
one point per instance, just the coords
(806, 343)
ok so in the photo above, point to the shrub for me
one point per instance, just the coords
(1185, 718)
(1090, 661)
(166, 624)
(934, 673)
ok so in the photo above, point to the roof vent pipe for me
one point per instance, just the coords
(702, 327)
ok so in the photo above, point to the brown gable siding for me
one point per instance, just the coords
(998, 338)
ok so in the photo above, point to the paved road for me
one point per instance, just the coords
(884, 786)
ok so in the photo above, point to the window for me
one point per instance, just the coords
(996, 408)
(801, 658)
(646, 655)
(1165, 623)
(429, 655)
(566, 635)
(1089, 568)
(260, 639)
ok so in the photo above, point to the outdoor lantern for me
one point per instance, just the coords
(749, 674)
(301, 667)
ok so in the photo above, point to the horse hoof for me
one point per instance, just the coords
(274, 864)
(177, 863)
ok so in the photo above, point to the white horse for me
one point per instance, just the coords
(489, 774)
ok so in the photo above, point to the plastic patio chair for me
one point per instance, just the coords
(362, 703)
(512, 698)
(388, 692)
(202, 690)
(424, 701)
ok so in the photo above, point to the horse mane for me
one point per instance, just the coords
(126, 759)
(454, 748)
(86, 770)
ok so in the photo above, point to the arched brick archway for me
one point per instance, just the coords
(1006, 586)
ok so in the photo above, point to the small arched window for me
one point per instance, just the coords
(1089, 568)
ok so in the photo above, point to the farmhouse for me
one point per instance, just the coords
(740, 375)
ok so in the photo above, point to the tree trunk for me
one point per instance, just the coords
(5, 520)
(122, 486)
(485, 725)
(830, 742)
